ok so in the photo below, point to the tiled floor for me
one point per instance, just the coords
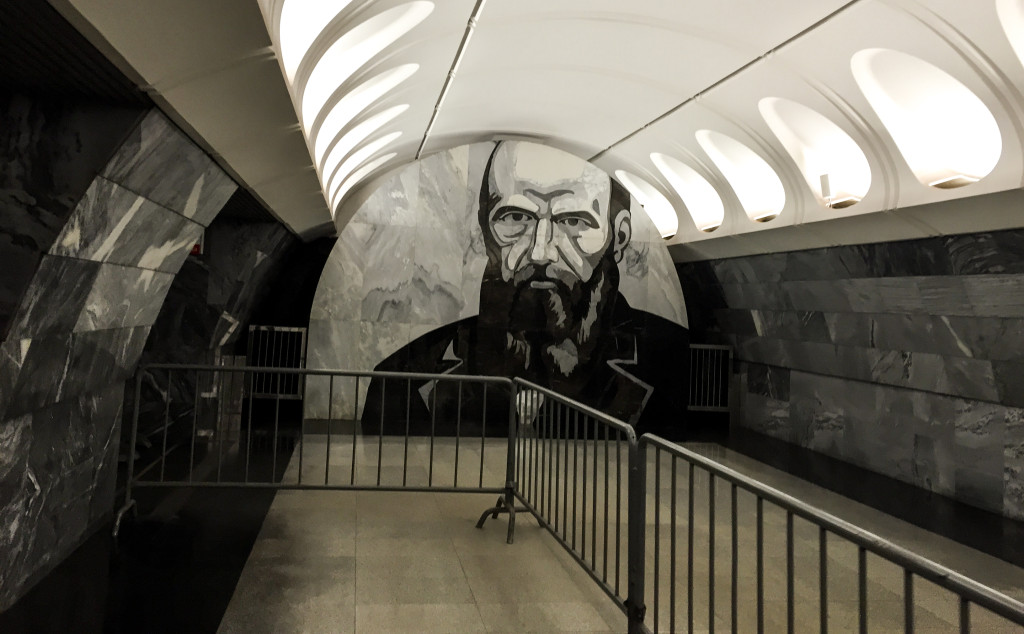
(336, 561)
(333, 561)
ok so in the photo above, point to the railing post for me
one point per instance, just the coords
(637, 519)
(510, 464)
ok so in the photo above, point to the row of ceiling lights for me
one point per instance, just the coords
(914, 100)
(945, 133)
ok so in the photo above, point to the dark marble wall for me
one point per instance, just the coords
(49, 154)
(901, 357)
(79, 329)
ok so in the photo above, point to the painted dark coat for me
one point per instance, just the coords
(639, 376)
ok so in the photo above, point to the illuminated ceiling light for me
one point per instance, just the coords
(756, 184)
(353, 162)
(701, 199)
(946, 134)
(353, 49)
(358, 176)
(1011, 16)
(301, 22)
(355, 101)
(832, 164)
(658, 208)
(357, 135)
(952, 182)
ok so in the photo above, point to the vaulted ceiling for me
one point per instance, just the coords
(754, 125)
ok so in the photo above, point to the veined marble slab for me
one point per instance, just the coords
(159, 162)
(56, 297)
(58, 465)
(113, 224)
(68, 366)
(123, 297)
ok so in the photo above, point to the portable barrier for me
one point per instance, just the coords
(613, 501)
(388, 437)
(716, 524)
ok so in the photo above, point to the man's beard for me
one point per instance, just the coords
(531, 320)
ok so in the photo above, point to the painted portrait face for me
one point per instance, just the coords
(550, 215)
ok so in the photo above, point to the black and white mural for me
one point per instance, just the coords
(503, 259)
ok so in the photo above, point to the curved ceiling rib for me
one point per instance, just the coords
(587, 75)
(660, 210)
(352, 50)
(318, 73)
(302, 21)
(354, 161)
(701, 199)
(755, 182)
(348, 142)
(351, 104)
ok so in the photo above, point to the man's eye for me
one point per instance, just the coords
(574, 222)
(514, 216)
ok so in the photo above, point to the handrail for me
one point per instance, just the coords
(977, 593)
(327, 372)
(612, 422)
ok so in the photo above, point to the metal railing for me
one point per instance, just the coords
(382, 444)
(582, 474)
(573, 474)
(691, 476)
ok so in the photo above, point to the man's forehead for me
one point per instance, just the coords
(518, 165)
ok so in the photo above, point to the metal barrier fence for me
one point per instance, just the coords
(573, 474)
(691, 476)
(382, 431)
(582, 474)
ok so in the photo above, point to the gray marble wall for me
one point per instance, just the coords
(411, 260)
(77, 334)
(50, 153)
(903, 357)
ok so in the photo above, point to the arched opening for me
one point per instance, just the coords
(701, 199)
(756, 184)
(832, 164)
(945, 133)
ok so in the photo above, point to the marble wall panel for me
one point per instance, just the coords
(348, 345)
(986, 253)
(159, 162)
(64, 366)
(123, 297)
(49, 153)
(339, 297)
(60, 480)
(113, 224)
(738, 322)
(1009, 379)
(1013, 464)
(816, 295)
(932, 328)
(769, 381)
(15, 497)
(59, 292)
(79, 332)
(849, 329)
(996, 295)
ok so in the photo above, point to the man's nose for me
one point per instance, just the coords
(543, 251)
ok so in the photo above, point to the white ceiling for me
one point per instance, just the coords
(610, 80)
